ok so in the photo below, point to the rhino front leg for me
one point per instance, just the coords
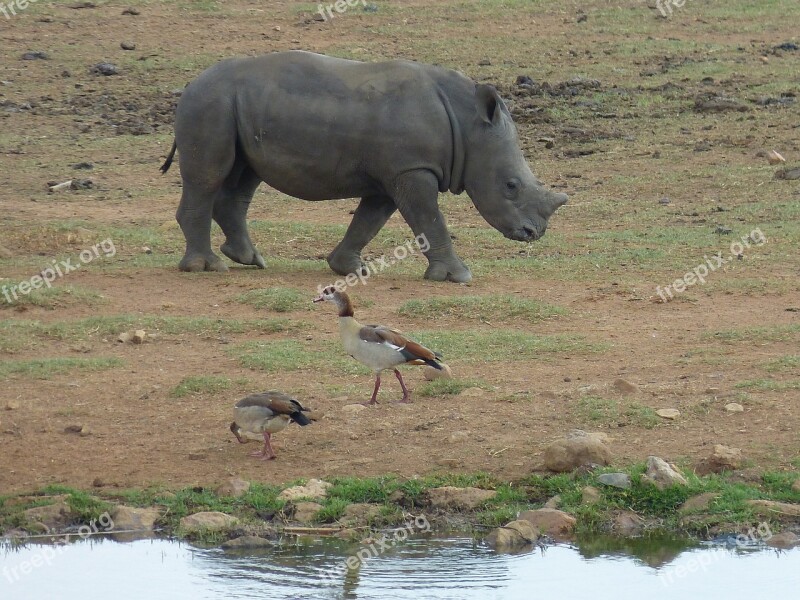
(230, 212)
(416, 195)
(371, 214)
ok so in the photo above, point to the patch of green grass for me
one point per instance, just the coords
(277, 299)
(595, 408)
(641, 416)
(449, 387)
(84, 506)
(16, 334)
(54, 297)
(481, 308)
(274, 356)
(45, 368)
(332, 510)
(770, 333)
(201, 384)
(504, 344)
(769, 385)
(790, 362)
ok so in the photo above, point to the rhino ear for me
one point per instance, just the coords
(489, 103)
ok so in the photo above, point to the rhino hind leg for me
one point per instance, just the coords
(371, 214)
(230, 213)
(194, 217)
(416, 196)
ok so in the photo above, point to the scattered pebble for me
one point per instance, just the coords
(139, 336)
(35, 56)
(734, 407)
(131, 11)
(12, 405)
(105, 68)
(664, 200)
(774, 157)
(668, 413)
(127, 46)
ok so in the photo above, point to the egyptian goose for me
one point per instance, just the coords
(260, 415)
(376, 346)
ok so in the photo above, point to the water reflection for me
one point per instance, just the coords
(421, 568)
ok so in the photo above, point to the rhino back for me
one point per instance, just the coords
(318, 127)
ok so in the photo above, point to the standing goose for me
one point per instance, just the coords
(376, 346)
(260, 415)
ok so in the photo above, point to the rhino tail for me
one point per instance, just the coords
(167, 163)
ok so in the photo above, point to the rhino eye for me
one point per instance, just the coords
(512, 187)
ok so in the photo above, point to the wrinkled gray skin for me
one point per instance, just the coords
(394, 134)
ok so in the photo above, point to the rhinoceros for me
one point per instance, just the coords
(394, 134)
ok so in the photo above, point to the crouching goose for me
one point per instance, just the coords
(376, 346)
(260, 415)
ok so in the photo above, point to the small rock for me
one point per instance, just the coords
(770, 508)
(788, 174)
(127, 46)
(304, 512)
(147, 250)
(512, 536)
(234, 487)
(553, 502)
(139, 336)
(617, 480)
(783, 540)
(698, 503)
(314, 488)
(662, 474)
(131, 11)
(590, 495)
(51, 516)
(128, 517)
(73, 428)
(473, 392)
(35, 56)
(207, 521)
(85, 431)
(458, 437)
(484, 62)
(81, 184)
(277, 28)
(124, 337)
(431, 374)
(449, 497)
(775, 158)
(105, 68)
(360, 514)
(668, 413)
(570, 453)
(12, 404)
(734, 407)
(626, 388)
(628, 524)
(721, 459)
(664, 201)
(353, 408)
(246, 542)
(721, 230)
(87, 166)
(550, 521)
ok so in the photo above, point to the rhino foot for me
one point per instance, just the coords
(247, 256)
(439, 271)
(344, 264)
(202, 262)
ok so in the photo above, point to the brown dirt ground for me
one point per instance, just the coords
(142, 436)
